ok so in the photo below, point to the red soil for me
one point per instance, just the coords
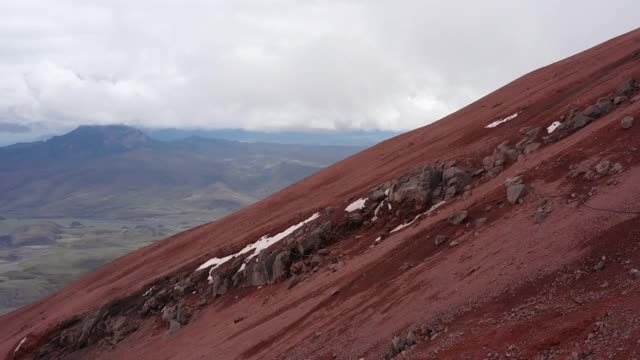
(510, 287)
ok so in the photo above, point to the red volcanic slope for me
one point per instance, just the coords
(509, 287)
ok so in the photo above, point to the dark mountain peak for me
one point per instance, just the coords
(107, 137)
(85, 142)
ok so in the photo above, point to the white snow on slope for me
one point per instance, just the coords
(356, 205)
(375, 212)
(402, 226)
(553, 127)
(502, 121)
(260, 244)
(20, 345)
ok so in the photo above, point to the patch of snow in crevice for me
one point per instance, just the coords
(435, 207)
(502, 121)
(20, 344)
(148, 291)
(356, 205)
(402, 226)
(260, 244)
(551, 128)
(378, 239)
(389, 205)
(386, 192)
(375, 212)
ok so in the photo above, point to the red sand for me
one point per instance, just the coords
(510, 287)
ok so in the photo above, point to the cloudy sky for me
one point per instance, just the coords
(274, 65)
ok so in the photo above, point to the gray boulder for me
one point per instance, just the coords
(601, 108)
(411, 338)
(515, 192)
(256, 273)
(581, 121)
(531, 148)
(310, 243)
(218, 285)
(411, 191)
(430, 177)
(626, 88)
(627, 122)
(440, 239)
(603, 167)
(174, 326)
(619, 100)
(397, 345)
(458, 218)
(280, 266)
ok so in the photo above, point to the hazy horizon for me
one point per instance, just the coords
(276, 66)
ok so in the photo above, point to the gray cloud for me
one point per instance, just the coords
(282, 64)
(9, 127)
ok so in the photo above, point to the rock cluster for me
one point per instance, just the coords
(579, 119)
(603, 168)
(401, 343)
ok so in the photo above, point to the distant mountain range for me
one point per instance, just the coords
(362, 138)
(120, 172)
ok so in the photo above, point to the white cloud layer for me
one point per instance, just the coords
(281, 64)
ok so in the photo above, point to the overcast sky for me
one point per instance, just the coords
(288, 64)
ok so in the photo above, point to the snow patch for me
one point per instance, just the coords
(378, 239)
(551, 128)
(356, 205)
(375, 212)
(502, 121)
(402, 226)
(260, 244)
(148, 291)
(20, 344)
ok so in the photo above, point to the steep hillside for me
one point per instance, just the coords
(508, 229)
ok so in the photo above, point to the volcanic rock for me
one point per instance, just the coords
(531, 148)
(280, 266)
(440, 239)
(616, 168)
(397, 345)
(411, 338)
(458, 218)
(626, 88)
(515, 192)
(627, 122)
(310, 243)
(619, 100)
(603, 167)
(583, 120)
(599, 266)
(174, 326)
